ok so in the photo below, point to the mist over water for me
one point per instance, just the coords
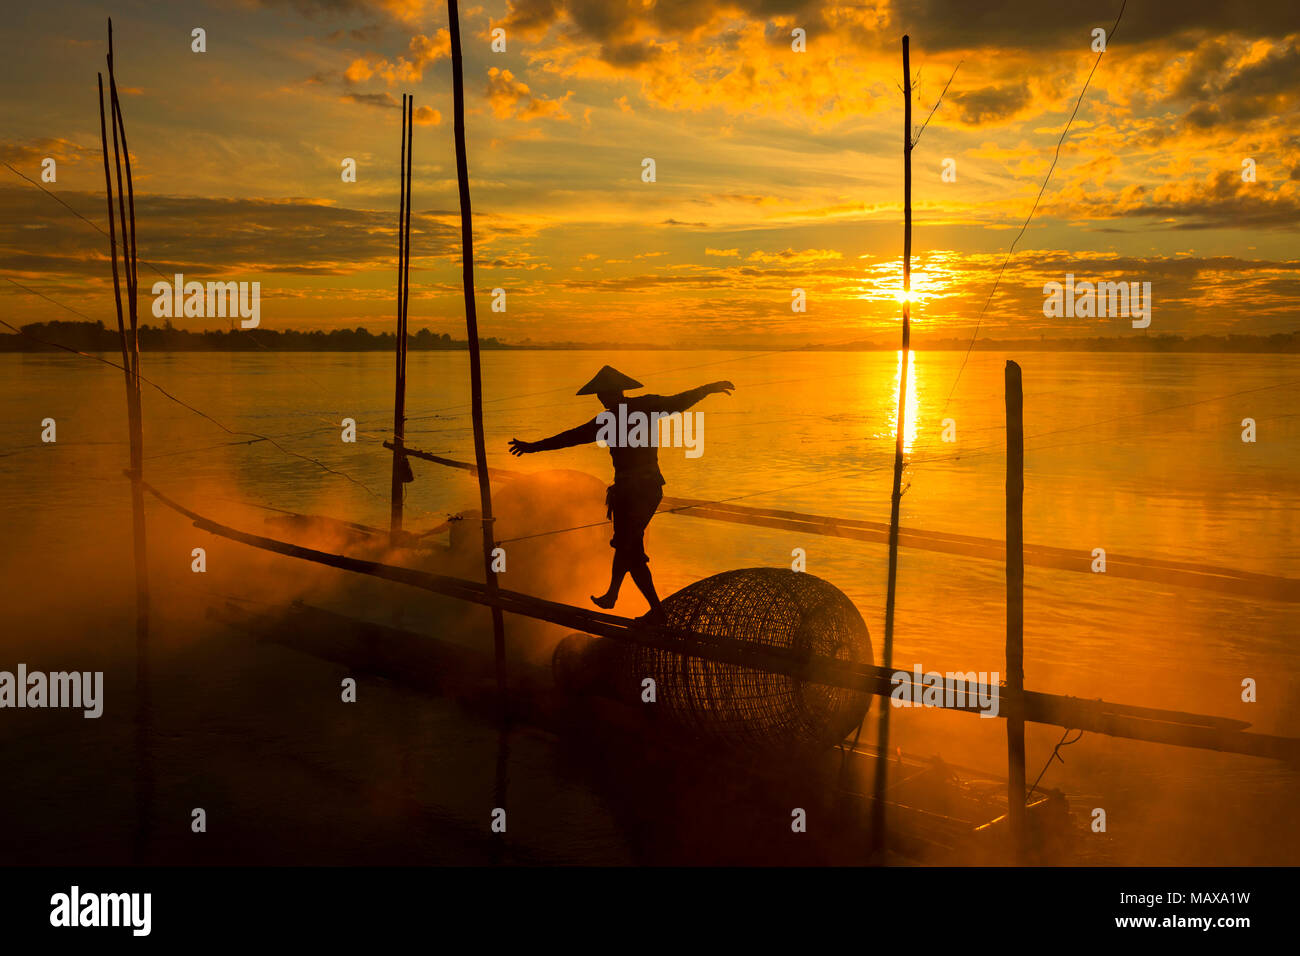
(1138, 454)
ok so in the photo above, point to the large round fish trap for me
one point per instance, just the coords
(736, 705)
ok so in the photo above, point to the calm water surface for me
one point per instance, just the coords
(1137, 454)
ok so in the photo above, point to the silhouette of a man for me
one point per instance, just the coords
(637, 490)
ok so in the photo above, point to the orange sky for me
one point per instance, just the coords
(776, 169)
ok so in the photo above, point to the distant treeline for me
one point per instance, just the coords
(95, 337)
(1278, 342)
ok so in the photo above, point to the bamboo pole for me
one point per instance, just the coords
(900, 428)
(1015, 676)
(131, 362)
(399, 398)
(471, 325)
(112, 248)
(406, 248)
(406, 260)
(137, 438)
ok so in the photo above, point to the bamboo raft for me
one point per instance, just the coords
(939, 812)
(1119, 720)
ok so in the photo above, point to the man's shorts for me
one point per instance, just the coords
(631, 505)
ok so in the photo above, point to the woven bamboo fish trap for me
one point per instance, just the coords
(734, 705)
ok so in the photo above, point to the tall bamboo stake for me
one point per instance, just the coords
(133, 284)
(131, 361)
(406, 248)
(471, 325)
(887, 661)
(1016, 611)
(112, 249)
(403, 253)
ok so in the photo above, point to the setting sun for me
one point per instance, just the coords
(883, 281)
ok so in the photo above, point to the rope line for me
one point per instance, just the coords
(979, 321)
(184, 404)
(936, 103)
(1055, 755)
(93, 225)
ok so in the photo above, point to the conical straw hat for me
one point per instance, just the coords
(609, 379)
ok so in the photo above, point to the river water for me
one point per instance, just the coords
(1137, 454)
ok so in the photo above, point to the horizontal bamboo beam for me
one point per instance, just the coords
(504, 474)
(1095, 716)
(1179, 573)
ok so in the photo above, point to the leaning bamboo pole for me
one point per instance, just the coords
(1015, 649)
(131, 363)
(133, 285)
(471, 326)
(1206, 577)
(400, 464)
(900, 429)
(1234, 581)
(112, 256)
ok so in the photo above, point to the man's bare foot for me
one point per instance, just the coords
(653, 616)
(605, 601)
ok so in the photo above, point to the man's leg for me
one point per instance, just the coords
(645, 582)
(618, 570)
(631, 511)
(638, 564)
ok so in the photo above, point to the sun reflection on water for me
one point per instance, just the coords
(909, 430)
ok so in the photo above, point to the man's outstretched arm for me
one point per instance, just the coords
(584, 434)
(684, 400)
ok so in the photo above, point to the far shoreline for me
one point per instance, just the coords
(95, 337)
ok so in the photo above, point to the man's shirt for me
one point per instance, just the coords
(634, 462)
